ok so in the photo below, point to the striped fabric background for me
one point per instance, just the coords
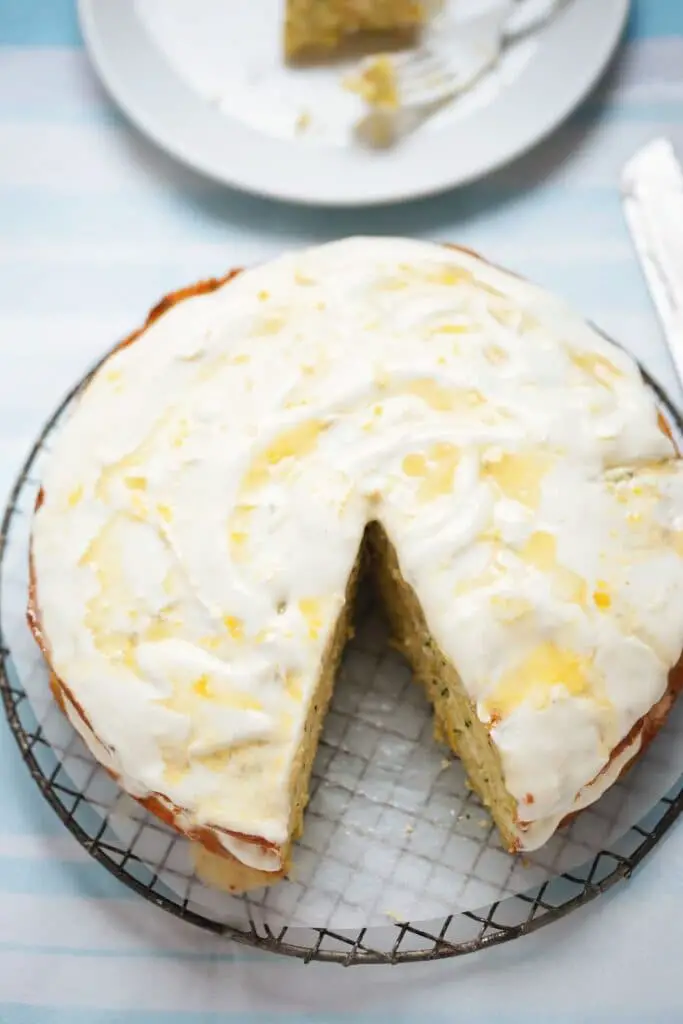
(95, 225)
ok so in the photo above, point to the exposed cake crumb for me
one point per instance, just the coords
(303, 122)
(376, 84)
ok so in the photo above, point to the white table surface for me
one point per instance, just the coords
(95, 225)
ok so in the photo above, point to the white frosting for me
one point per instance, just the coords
(205, 503)
(539, 832)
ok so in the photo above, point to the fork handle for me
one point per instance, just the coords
(528, 16)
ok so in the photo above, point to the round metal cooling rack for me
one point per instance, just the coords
(74, 798)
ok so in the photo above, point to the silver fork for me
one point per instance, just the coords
(454, 56)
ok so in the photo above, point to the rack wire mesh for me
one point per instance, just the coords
(153, 861)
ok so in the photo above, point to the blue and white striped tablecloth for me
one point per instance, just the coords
(95, 224)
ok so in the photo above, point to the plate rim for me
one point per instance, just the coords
(338, 177)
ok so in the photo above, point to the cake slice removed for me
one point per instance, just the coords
(316, 28)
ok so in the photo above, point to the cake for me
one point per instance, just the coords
(376, 83)
(380, 405)
(315, 28)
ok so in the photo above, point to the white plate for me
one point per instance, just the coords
(204, 79)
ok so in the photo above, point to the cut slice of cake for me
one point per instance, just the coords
(316, 28)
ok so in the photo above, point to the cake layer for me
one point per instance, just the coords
(205, 504)
(314, 28)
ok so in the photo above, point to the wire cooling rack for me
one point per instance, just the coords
(153, 861)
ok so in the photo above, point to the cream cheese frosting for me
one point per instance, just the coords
(205, 502)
